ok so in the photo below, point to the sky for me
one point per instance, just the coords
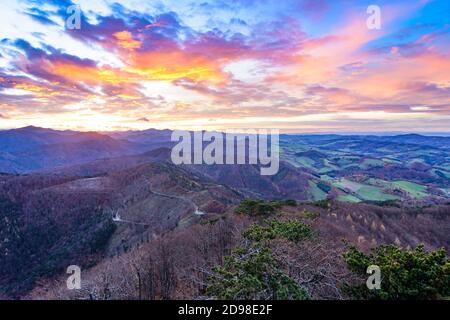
(296, 65)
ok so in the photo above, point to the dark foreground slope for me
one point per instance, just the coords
(180, 264)
(50, 222)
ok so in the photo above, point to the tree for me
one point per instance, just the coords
(405, 275)
(253, 274)
(258, 207)
(290, 230)
(255, 208)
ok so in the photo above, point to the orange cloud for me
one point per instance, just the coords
(29, 87)
(125, 40)
(393, 76)
(37, 91)
(175, 65)
(91, 75)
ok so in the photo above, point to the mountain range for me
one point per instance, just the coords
(89, 198)
(355, 168)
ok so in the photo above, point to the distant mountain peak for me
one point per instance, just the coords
(34, 129)
(411, 135)
(30, 128)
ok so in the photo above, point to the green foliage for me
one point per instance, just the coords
(324, 204)
(386, 203)
(405, 275)
(259, 233)
(287, 202)
(213, 221)
(257, 207)
(311, 215)
(253, 274)
(290, 230)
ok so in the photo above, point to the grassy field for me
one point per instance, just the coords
(316, 192)
(350, 185)
(343, 166)
(371, 193)
(379, 183)
(347, 161)
(371, 163)
(364, 191)
(414, 189)
(443, 172)
(348, 198)
(305, 162)
(326, 178)
(328, 167)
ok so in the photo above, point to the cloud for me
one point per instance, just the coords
(240, 62)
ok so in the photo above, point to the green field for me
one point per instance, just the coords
(371, 163)
(414, 189)
(305, 162)
(328, 166)
(316, 192)
(347, 161)
(364, 191)
(350, 185)
(371, 193)
(326, 178)
(379, 183)
(344, 166)
(443, 172)
(348, 198)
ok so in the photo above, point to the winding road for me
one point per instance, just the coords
(196, 211)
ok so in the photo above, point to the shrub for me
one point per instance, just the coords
(288, 202)
(259, 233)
(405, 275)
(386, 203)
(311, 215)
(255, 208)
(324, 204)
(289, 230)
(259, 207)
(253, 274)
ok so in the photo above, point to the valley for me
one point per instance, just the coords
(106, 209)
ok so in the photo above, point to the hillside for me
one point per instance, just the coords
(412, 169)
(179, 264)
(103, 201)
(48, 221)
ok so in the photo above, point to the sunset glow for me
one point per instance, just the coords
(296, 65)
